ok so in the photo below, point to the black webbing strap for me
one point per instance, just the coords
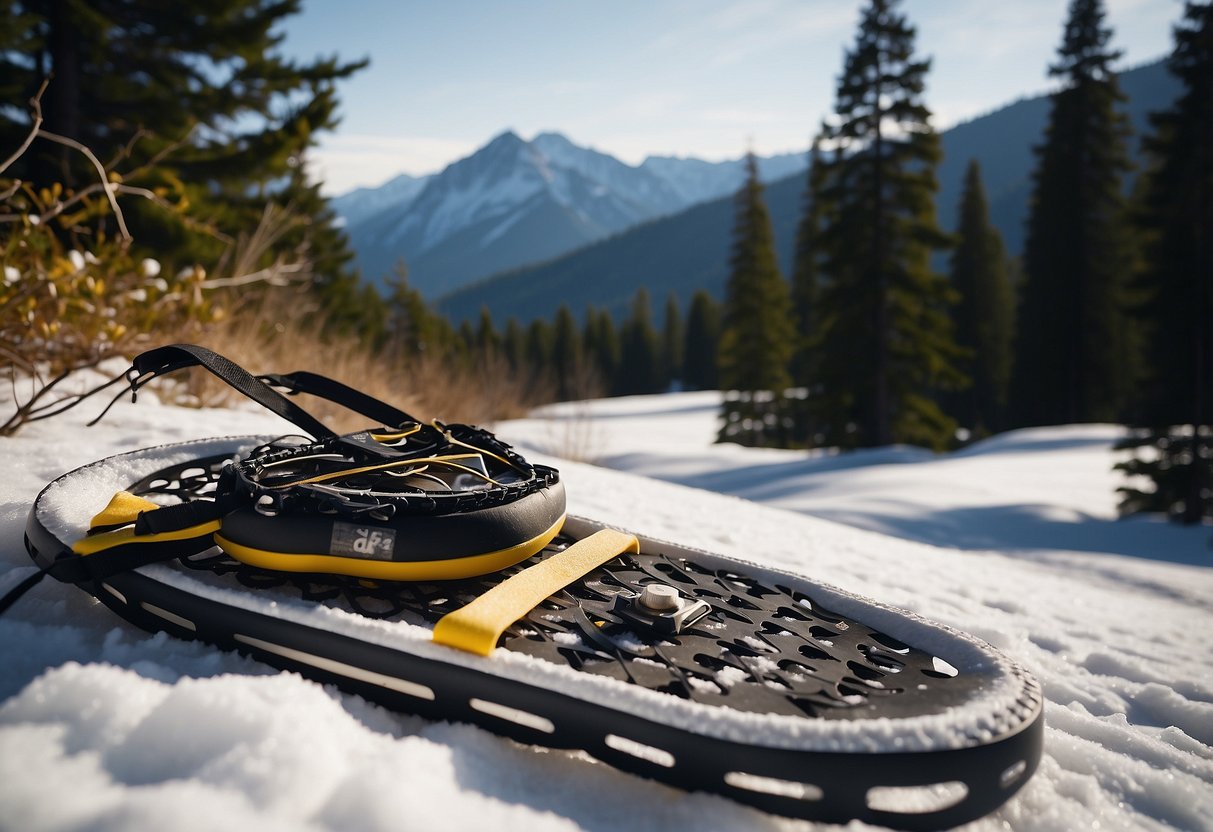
(14, 595)
(140, 550)
(334, 391)
(175, 357)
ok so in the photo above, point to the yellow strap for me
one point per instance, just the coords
(476, 627)
(124, 507)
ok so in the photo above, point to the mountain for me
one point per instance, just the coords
(362, 203)
(515, 202)
(698, 181)
(689, 251)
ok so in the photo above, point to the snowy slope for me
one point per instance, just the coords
(104, 727)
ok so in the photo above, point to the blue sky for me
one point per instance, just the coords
(633, 78)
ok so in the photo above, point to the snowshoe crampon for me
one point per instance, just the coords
(457, 589)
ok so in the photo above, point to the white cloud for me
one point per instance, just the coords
(347, 161)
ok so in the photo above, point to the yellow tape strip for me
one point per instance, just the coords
(476, 627)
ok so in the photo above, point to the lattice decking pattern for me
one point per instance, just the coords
(762, 649)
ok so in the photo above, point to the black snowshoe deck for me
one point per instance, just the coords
(738, 698)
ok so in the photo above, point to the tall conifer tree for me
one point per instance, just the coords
(885, 344)
(566, 356)
(488, 340)
(702, 343)
(672, 343)
(757, 333)
(985, 313)
(639, 371)
(1073, 359)
(805, 277)
(513, 345)
(601, 346)
(757, 337)
(1175, 416)
(539, 346)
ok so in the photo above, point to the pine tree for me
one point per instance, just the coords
(672, 339)
(601, 346)
(638, 372)
(412, 328)
(513, 345)
(985, 313)
(488, 340)
(1175, 417)
(1073, 356)
(566, 356)
(805, 276)
(195, 86)
(884, 345)
(756, 337)
(702, 343)
(539, 346)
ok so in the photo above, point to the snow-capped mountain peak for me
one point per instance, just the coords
(550, 194)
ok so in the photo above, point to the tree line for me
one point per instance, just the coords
(1106, 318)
(566, 358)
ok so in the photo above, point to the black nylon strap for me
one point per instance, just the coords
(136, 553)
(180, 516)
(14, 595)
(334, 391)
(179, 356)
(100, 565)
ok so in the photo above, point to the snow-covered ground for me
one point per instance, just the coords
(1015, 540)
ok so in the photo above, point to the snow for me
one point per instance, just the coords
(1014, 540)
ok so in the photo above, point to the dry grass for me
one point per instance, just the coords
(272, 334)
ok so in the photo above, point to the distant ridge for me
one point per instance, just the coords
(689, 250)
(515, 201)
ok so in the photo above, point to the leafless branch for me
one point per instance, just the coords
(36, 106)
(275, 275)
(106, 185)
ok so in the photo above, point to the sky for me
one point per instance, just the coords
(634, 78)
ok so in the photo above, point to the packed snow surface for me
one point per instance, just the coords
(1014, 540)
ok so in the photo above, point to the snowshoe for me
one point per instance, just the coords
(433, 570)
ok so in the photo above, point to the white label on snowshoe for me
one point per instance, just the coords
(367, 542)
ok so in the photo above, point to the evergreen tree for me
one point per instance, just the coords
(411, 326)
(466, 344)
(805, 277)
(1073, 359)
(672, 338)
(985, 312)
(513, 344)
(885, 345)
(601, 346)
(566, 356)
(194, 97)
(756, 341)
(488, 340)
(638, 371)
(1175, 417)
(756, 338)
(539, 347)
(702, 343)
